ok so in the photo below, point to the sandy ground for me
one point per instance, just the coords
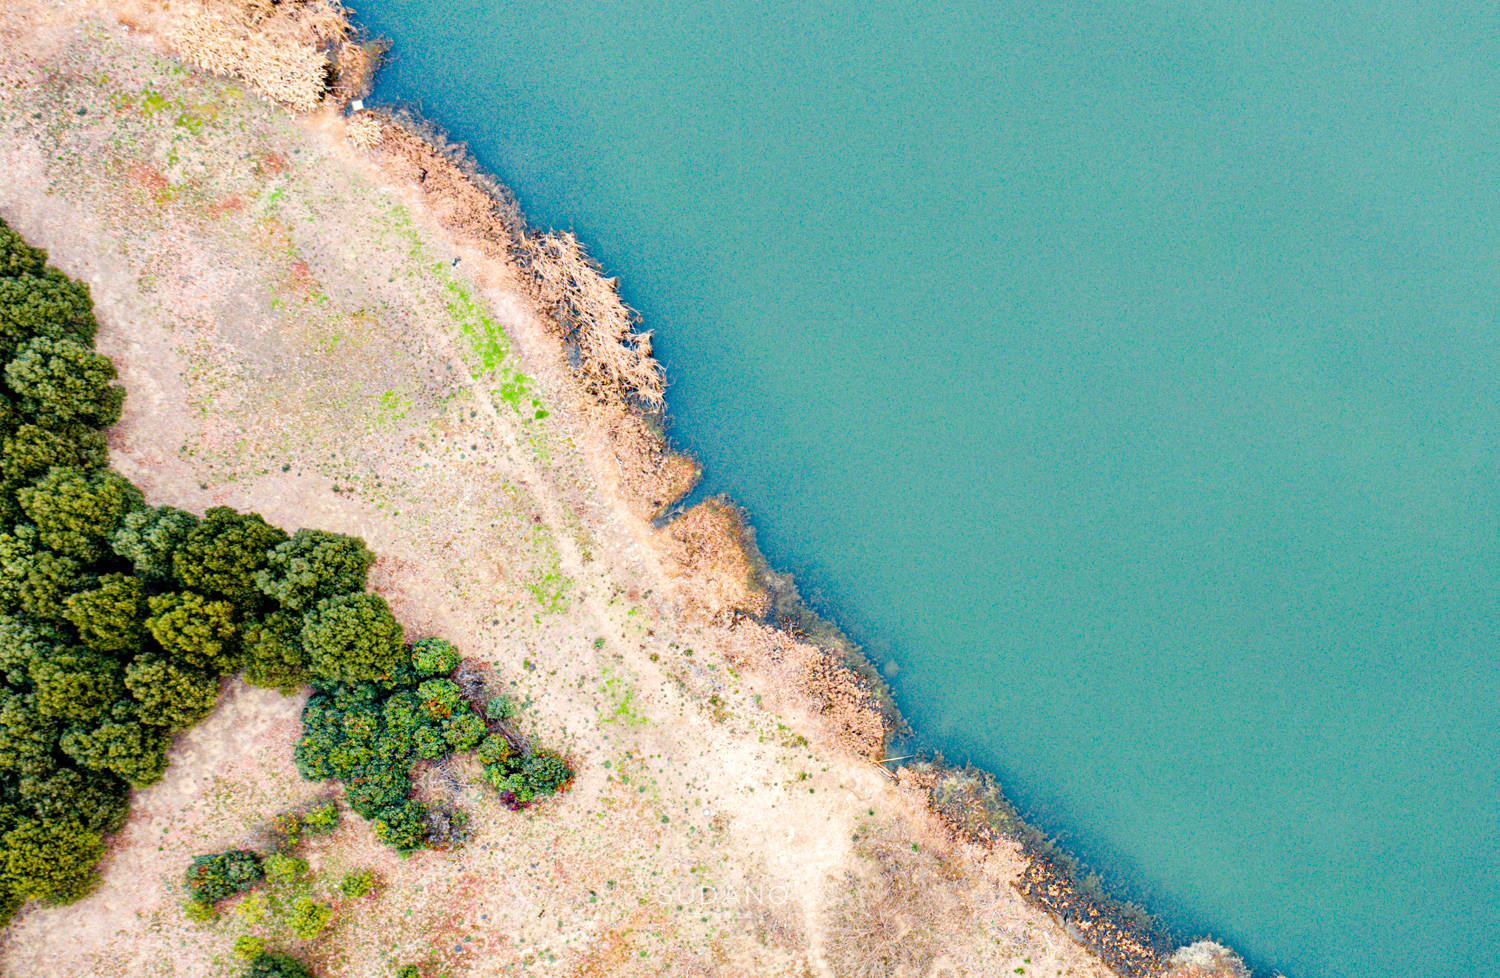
(297, 340)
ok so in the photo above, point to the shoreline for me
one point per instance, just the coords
(710, 546)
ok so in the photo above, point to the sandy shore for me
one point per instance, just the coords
(309, 329)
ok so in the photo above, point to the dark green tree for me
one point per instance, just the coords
(74, 683)
(353, 637)
(402, 826)
(76, 512)
(149, 539)
(273, 652)
(52, 861)
(21, 640)
(63, 382)
(223, 553)
(27, 737)
(33, 579)
(111, 616)
(463, 731)
(48, 304)
(217, 875)
(123, 745)
(196, 631)
(170, 694)
(313, 565)
(96, 800)
(18, 258)
(273, 964)
(30, 450)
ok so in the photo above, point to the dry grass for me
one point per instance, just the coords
(1205, 959)
(278, 49)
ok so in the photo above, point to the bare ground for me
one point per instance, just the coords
(298, 339)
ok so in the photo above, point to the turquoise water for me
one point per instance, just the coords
(1125, 379)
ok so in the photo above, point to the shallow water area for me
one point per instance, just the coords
(1125, 380)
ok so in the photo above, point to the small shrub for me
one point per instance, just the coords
(321, 820)
(286, 831)
(408, 971)
(253, 909)
(283, 868)
(200, 911)
(249, 947)
(501, 708)
(216, 875)
(309, 917)
(357, 884)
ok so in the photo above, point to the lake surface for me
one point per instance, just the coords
(1125, 379)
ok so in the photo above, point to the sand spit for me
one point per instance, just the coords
(333, 320)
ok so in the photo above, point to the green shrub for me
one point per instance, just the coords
(271, 964)
(216, 875)
(222, 554)
(313, 565)
(200, 911)
(440, 697)
(408, 971)
(309, 917)
(249, 947)
(463, 732)
(352, 638)
(357, 884)
(321, 820)
(495, 749)
(433, 657)
(501, 708)
(402, 826)
(283, 868)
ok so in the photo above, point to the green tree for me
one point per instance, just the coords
(75, 683)
(223, 553)
(122, 745)
(110, 617)
(463, 731)
(30, 450)
(149, 539)
(309, 917)
(273, 652)
(94, 799)
(353, 637)
(21, 640)
(62, 382)
(27, 736)
(76, 512)
(170, 694)
(18, 258)
(33, 579)
(52, 861)
(49, 305)
(313, 565)
(196, 631)
(440, 698)
(433, 657)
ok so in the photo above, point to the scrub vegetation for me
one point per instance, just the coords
(119, 622)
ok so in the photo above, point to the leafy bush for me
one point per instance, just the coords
(216, 875)
(320, 820)
(500, 708)
(357, 884)
(309, 917)
(433, 657)
(283, 868)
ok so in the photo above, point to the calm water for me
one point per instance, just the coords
(1126, 379)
